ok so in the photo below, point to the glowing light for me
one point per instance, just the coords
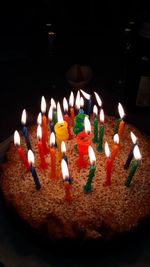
(91, 155)
(121, 111)
(59, 114)
(43, 104)
(87, 125)
(116, 138)
(64, 169)
(24, 117)
(107, 150)
(136, 153)
(71, 99)
(16, 138)
(99, 101)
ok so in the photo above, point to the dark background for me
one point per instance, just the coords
(87, 33)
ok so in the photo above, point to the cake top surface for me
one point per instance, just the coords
(116, 206)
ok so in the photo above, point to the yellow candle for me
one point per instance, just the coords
(61, 129)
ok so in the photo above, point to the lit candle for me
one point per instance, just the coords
(53, 104)
(95, 111)
(77, 102)
(66, 180)
(44, 119)
(81, 111)
(61, 129)
(44, 126)
(24, 129)
(44, 165)
(88, 186)
(79, 119)
(71, 103)
(137, 157)
(66, 117)
(32, 169)
(83, 141)
(101, 132)
(130, 156)
(89, 99)
(53, 156)
(109, 162)
(20, 151)
(63, 151)
(115, 147)
(120, 123)
(50, 117)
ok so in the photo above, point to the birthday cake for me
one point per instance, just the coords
(68, 207)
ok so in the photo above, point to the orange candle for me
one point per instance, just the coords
(44, 164)
(20, 151)
(121, 122)
(121, 128)
(109, 163)
(83, 142)
(67, 180)
(115, 147)
(53, 174)
(71, 103)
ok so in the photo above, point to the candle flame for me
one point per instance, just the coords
(52, 139)
(24, 117)
(53, 104)
(95, 110)
(99, 101)
(16, 138)
(81, 102)
(116, 138)
(63, 147)
(107, 150)
(91, 155)
(65, 104)
(133, 137)
(136, 153)
(71, 99)
(87, 125)
(39, 132)
(121, 111)
(78, 100)
(30, 157)
(101, 116)
(86, 95)
(64, 169)
(39, 119)
(59, 114)
(43, 104)
(50, 113)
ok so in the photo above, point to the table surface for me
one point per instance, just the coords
(22, 86)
